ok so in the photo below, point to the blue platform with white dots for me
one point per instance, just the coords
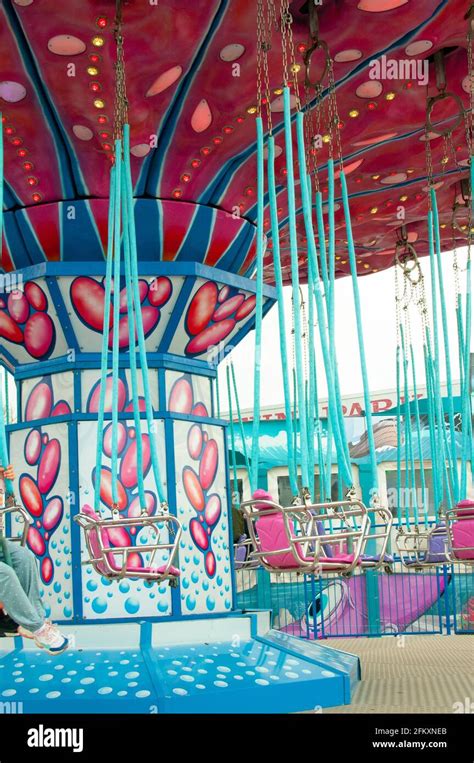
(220, 665)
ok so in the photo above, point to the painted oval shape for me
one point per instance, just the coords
(39, 335)
(82, 132)
(198, 534)
(31, 496)
(36, 541)
(49, 466)
(164, 81)
(210, 564)
(212, 335)
(66, 45)
(208, 465)
(228, 307)
(93, 404)
(195, 441)
(181, 397)
(62, 408)
(18, 306)
(12, 92)
(246, 308)
(201, 308)
(118, 536)
(39, 402)
(213, 509)
(10, 330)
(33, 447)
(135, 510)
(142, 290)
(106, 490)
(128, 467)
(160, 291)
(150, 318)
(202, 116)
(107, 439)
(201, 410)
(88, 299)
(223, 294)
(53, 513)
(193, 489)
(35, 296)
(47, 569)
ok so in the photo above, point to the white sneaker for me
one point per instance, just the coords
(24, 632)
(50, 638)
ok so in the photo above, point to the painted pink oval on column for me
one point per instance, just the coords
(18, 306)
(106, 490)
(36, 542)
(39, 403)
(141, 406)
(134, 560)
(150, 317)
(93, 404)
(193, 489)
(33, 447)
(223, 294)
(128, 467)
(198, 534)
(208, 465)
(201, 308)
(49, 466)
(10, 330)
(31, 496)
(195, 441)
(210, 564)
(160, 291)
(53, 513)
(181, 397)
(134, 510)
(213, 509)
(246, 308)
(142, 290)
(88, 299)
(62, 408)
(47, 569)
(119, 537)
(228, 307)
(39, 334)
(201, 410)
(107, 439)
(211, 335)
(35, 296)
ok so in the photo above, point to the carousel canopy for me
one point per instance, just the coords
(191, 88)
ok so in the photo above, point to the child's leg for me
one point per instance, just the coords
(26, 567)
(16, 601)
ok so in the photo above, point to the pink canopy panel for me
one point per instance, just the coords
(191, 85)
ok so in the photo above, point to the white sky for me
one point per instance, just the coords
(377, 293)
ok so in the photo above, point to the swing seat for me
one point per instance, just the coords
(24, 518)
(461, 532)
(242, 554)
(424, 549)
(295, 538)
(105, 561)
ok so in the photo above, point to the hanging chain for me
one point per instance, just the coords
(260, 46)
(120, 101)
(290, 66)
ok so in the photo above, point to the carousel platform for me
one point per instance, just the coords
(212, 665)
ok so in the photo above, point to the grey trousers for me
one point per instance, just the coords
(20, 588)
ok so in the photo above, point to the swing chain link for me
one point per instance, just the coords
(120, 101)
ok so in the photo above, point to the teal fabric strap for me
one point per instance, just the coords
(232, 437)
(295, 283)
(241, 423)
(105, 341)
(258, 307)
(116, 320)
(292, 471)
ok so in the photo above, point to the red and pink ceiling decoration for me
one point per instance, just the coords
(191, 80)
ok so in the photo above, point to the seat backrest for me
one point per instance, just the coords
(465, 508)
(436, 551)
(463, 538)
(273, 535)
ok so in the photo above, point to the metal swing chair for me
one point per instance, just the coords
(116, 562)
(420, 548)
(307, 537)
(460, 533)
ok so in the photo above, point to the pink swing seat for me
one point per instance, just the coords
(103, 568)
(463, 530)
